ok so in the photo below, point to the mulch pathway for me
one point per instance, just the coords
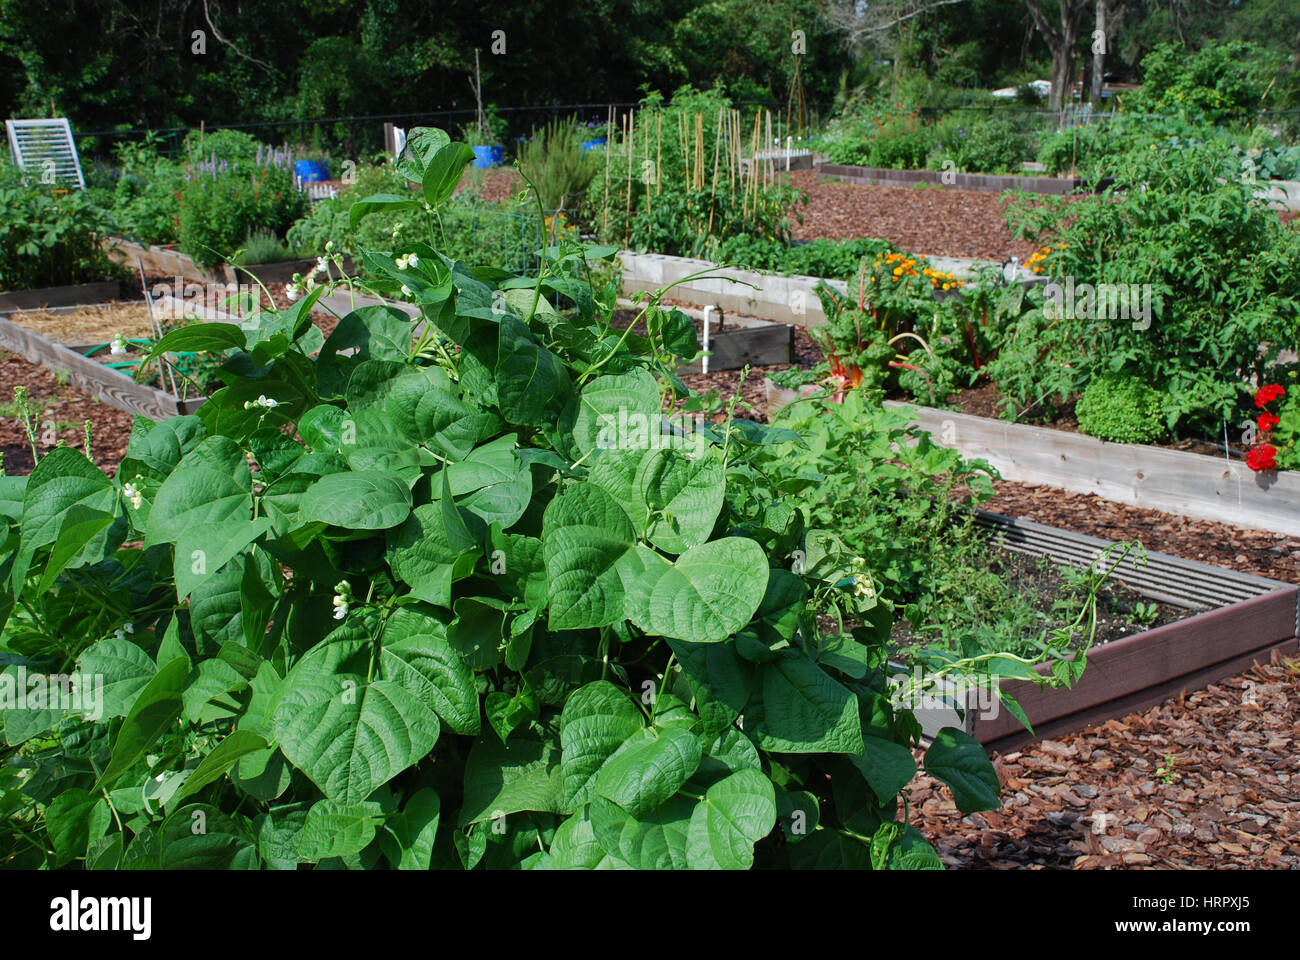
(1207, 780)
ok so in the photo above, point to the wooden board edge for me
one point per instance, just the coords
(1139, 700)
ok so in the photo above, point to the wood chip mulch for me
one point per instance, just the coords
(1210, 779)
(1260, 552)
(937, 221)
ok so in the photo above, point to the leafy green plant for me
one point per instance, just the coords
(897, 330)
(49, 238)
(218, 210)
(1219, 270)
(682, 182)
(478, 603)
(1124, 410)
(263, 247)
(146, 195)
(986, 145)
(557, 166)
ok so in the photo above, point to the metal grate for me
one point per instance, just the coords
(45, 148)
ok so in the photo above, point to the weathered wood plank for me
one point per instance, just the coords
(1139, 700)
(114, 388)
(1129, 666)
(157, 261)
(1190, 484)
(75, 295)
(756, 346)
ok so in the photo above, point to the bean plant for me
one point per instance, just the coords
(451, 592)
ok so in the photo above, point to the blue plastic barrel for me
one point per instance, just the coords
(311, 171)
(593, 144)
(485, 157)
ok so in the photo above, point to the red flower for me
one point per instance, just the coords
(1268, 393)
(1261, 457)
(1267, 421)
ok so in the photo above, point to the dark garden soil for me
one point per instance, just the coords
(1042, 583)
(1206, 780)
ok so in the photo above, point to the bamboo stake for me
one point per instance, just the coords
(609, 149)
(713, 191)
(649, 209)
(628, 133)
(659, 152)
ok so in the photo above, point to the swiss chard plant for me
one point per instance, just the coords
(450, 592)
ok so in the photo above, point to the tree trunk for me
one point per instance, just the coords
(1099, 51)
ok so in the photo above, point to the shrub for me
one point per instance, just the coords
(1223, 82)
(1220, 268)
(555, 163)
(1122, 410)
(49, 239)
(145, 199)
(987, 145)
(219, 211)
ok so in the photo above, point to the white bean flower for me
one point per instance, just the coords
(406, 291)
(322, 265)
(292, 291)
(133, 494)
(341, 599)
(118, 347)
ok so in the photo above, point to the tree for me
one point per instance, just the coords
(1110, 16)
(1061, 34)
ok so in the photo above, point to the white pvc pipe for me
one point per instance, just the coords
(704, 360)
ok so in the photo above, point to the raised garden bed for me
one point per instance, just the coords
(789, 299)
(886, 177)
(55, 340)
(1246, 619)
(1155, 478)
(81, 293)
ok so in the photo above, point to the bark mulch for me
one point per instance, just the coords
(1260, 552)
(935, 220)
(1209, 779)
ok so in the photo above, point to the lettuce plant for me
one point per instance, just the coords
(450, 593)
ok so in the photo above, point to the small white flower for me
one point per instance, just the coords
(322, 265)
(412, 260)
(401, 262)
(118, 346)
(129, 627)
(132, 493)
(291, 291)
(119, 634)
(406, 291)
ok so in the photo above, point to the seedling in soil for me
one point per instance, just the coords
(1145, 613)
(1166, 771)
